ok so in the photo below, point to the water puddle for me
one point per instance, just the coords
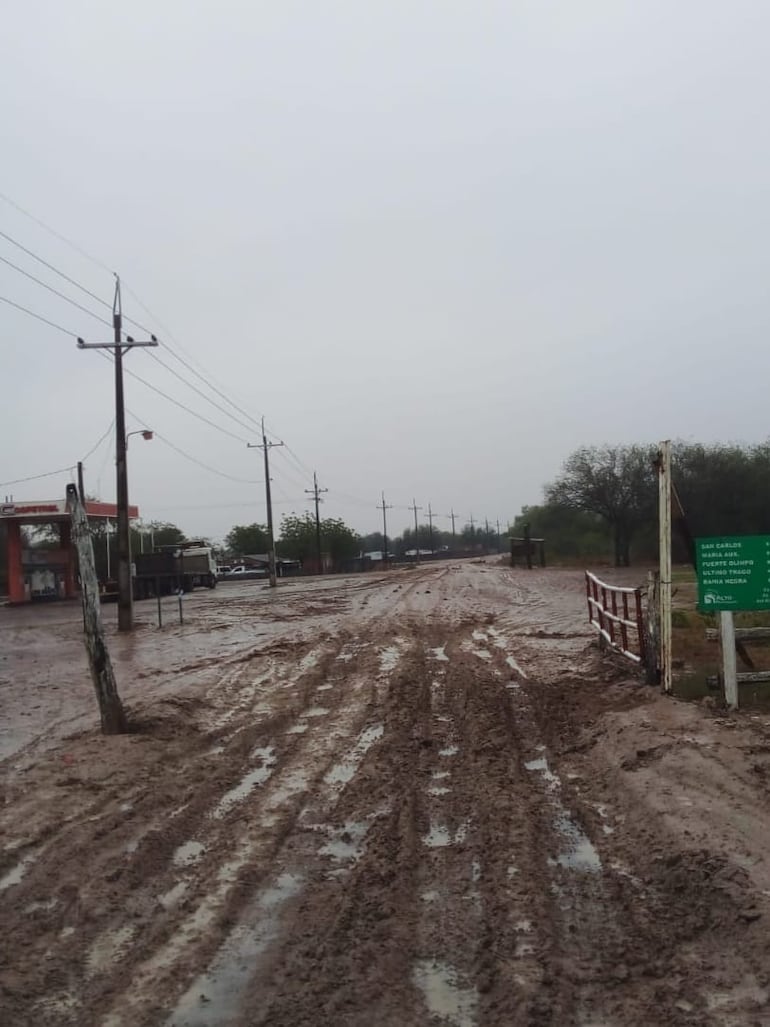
(215, 997)
(480, 636)
(188, 853)
(345, 770)
(297, 729)
(498, 639)
(15, 874)
(389, 657)
(107, 947)
(443, 994)
(483, 654)
(40, 906)
(439, 836)
(440, 653)
(541, 765)
(514, 666)
(170, 898)
(439, 775)
(438, 790)
(324, 688)
(346, 842)
(315, 711)
(248, 783)
(580, 853)
(429, 896)
(450, 750)
(475, 871)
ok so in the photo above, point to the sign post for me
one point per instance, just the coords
(733, 574)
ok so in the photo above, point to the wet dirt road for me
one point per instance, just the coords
(413, 798)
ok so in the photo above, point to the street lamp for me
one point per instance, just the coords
(146, 435)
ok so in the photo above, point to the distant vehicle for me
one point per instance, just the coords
(168, 569)
(223, 569)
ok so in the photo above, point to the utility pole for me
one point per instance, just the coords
(315, 492)
(119, 347)
(486, 534)
(415, 507)
(266, 446)
(81, 488)
(385, 529)
(473, 530)
(498, 534)
(431, 515)
(452, 518)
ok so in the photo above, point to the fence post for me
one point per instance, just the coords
(652, 628)
(729, 662)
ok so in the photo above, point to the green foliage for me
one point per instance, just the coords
(298, 539)
(247, 540)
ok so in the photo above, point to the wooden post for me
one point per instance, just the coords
(112, 714)
(652, 628)
(729, 663)
(664, 528)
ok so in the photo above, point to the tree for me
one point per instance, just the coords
(298, 539)
(618, 483)
(247, 539)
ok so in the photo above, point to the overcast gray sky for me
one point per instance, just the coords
(438, 244)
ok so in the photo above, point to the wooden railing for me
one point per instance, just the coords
(617, 615)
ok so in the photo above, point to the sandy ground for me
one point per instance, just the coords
(412, 798)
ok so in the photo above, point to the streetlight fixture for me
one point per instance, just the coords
(146, 435)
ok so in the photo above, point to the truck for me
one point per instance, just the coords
(169, 569)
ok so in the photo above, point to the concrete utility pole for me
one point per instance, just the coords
(385, 530)
(415, 507)
(664, 537)
(266, 446)
(431, 515)
(315, 492)
(119, 347)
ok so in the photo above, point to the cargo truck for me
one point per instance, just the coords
(169, 569)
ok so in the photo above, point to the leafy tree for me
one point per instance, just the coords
(298, 539)
(247, 539)
(617, 483)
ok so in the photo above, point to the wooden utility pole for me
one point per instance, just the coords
(266, 446)
(111, 710)
(315, 492)
(498, 534)
(664, 529)
(385, 507)
(415, 508)
(452, 518)
(431, 515)
(119, 347)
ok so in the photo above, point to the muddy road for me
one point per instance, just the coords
(412, 798)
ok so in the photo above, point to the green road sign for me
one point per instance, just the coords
(734, 572)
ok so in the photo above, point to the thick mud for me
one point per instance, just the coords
(415, 798)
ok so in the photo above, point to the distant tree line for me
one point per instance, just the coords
(603, 504)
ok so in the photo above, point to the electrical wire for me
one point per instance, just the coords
(56, 292)
(206, 379)
(206, 467)
(39, 317)
(56, 270)
(37, 477)
(57, 235)
(195, 389)
(94, 448)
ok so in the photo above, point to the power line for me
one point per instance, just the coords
(58, 271)
(37, 477)
(57, 235)
(200, 463)
(94, 448)
(39, 317)
(195, 389)
(56, 292)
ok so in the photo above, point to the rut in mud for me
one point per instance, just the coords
(417, 798)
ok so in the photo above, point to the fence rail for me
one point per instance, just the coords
(615, 611)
